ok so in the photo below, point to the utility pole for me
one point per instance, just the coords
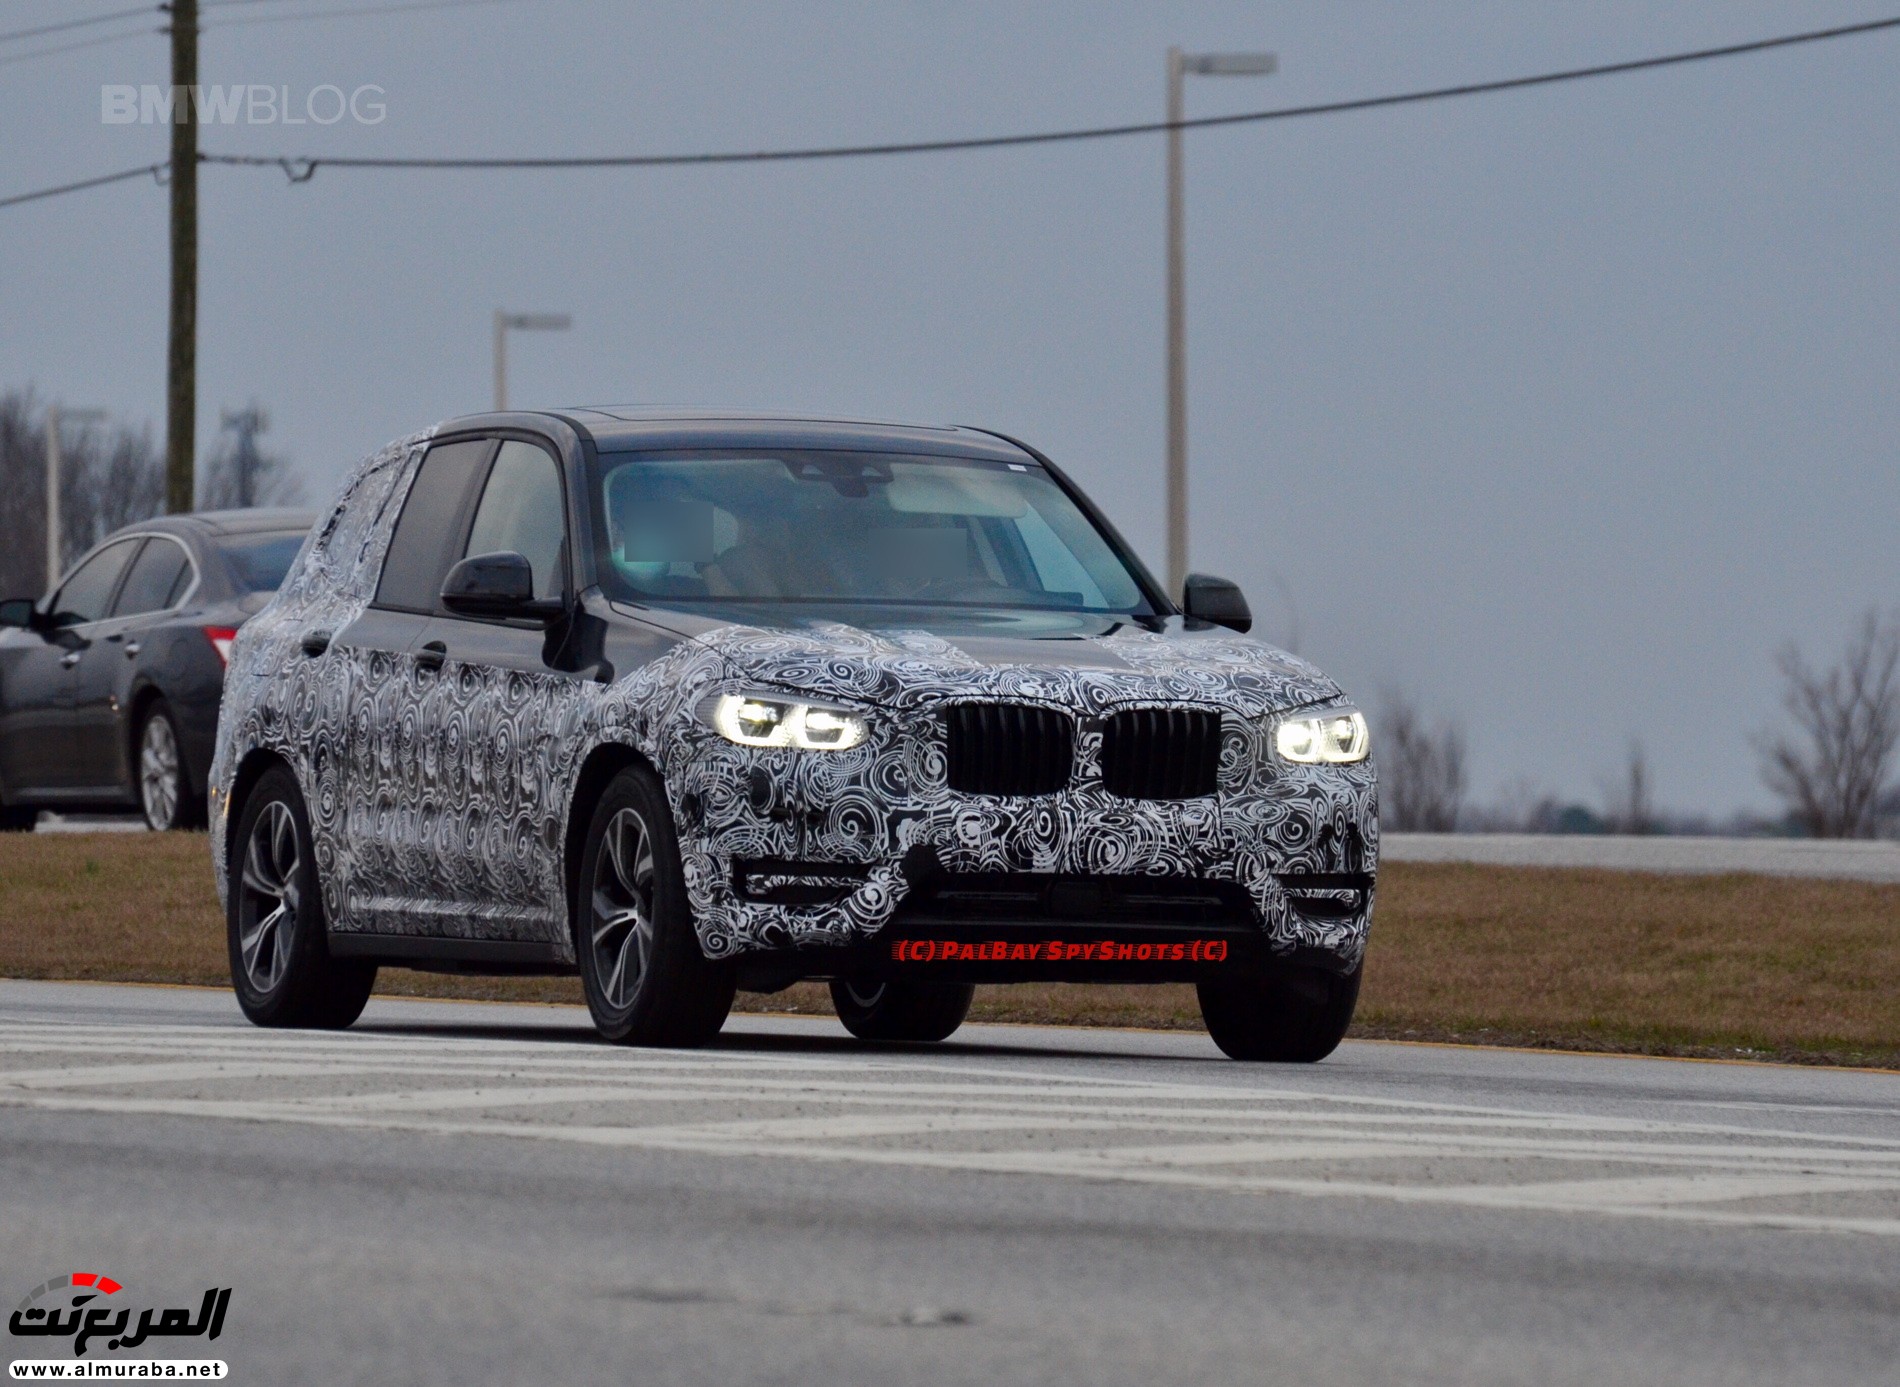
(55, 464)
(181, 357)
(1208, 65)
(248, 423)
(532, 322)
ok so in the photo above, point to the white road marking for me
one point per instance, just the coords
(957, 1112)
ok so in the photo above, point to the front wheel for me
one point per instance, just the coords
(646, 979)
(1298, 1018)
(281, 967)
(921, 1011)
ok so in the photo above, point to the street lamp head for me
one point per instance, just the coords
(545, 322)
(1231, 64)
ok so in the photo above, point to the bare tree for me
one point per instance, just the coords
(1628, 806)
(1831, 769)
(108, 478)
(239, 473)
(1421, 770)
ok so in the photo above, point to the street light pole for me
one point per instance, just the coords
(532, 322)
(1177, 338)
(55, 461)
(1207, 65)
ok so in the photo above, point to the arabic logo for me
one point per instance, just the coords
(84, 1324)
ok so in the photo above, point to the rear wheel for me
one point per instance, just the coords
(1296, 1018)
(281, 967)
(15, 819)
(164, 789)
(923, 1011)
(646, 979)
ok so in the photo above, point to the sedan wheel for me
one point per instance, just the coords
(164, 793)
(159, 772)
(281, 967)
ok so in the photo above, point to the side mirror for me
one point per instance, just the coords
(1206, 598)
(18, 612)
(496, 585)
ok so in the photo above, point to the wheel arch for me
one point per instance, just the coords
(256, 764)
(145, 692)
(603, 763)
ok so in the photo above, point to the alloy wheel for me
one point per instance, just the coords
(269, 887)
(160, 774)
(622, 931)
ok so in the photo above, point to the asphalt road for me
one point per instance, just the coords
(457, 1193)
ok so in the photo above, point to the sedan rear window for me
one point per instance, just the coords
(258, 563)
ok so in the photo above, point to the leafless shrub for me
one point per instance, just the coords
(1421, 770)
(1831, 768)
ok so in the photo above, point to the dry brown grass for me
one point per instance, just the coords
(1718, 966)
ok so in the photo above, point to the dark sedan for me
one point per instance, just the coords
(109, 686)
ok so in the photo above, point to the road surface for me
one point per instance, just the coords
(457, 1193)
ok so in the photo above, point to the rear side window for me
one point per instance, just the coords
(429, 531)
(87, 592)
(161, 569)
(258, 563)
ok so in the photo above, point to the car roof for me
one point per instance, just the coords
(235, 522)
(211, 524)
(624, 428)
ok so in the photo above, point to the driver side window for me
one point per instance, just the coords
(86, 593)
(522, 511)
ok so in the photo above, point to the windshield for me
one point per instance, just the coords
(258, 562)
(843, 527)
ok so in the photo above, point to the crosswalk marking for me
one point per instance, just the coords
(950, 1111)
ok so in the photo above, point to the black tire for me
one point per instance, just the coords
(1296, 1018)
(921, 1011)
(159, 778)
(281, 970)
(18, 820)
(646, 979)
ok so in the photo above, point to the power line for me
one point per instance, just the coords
(66, 24)
(351, 13)
(12, 58)
(302, 169)
(153, 169)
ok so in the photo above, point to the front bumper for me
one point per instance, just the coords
(817, 853)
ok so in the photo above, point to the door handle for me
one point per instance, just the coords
(431, 656)
(69, 659)
(131, 650)
(315, 643)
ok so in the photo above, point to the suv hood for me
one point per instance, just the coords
(1118, 662)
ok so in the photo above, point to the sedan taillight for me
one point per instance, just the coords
(221, 638)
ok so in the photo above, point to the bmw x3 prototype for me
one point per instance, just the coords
(691, 703)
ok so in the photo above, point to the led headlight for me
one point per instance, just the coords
(1334, 736)
(764, 720)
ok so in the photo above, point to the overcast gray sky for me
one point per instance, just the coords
(1559, 409)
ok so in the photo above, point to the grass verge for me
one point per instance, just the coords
(1717, 967)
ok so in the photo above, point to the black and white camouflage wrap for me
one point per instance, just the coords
(458, 787)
